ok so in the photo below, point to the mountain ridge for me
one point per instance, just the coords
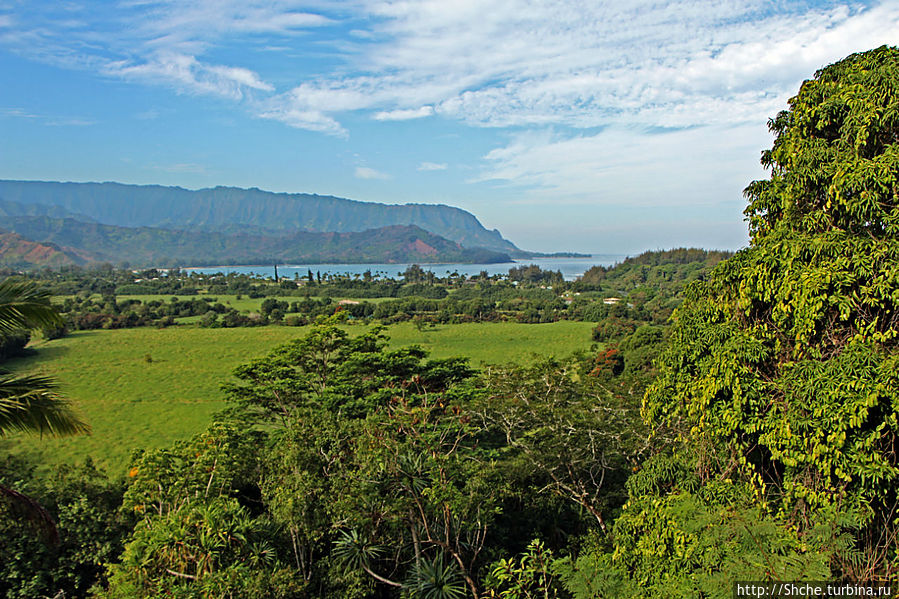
(216, 208)
(151, 246)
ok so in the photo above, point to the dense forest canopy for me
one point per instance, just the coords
(781, 370)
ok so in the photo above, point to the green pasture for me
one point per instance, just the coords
(147, 387)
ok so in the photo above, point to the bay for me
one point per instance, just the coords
(571, 268)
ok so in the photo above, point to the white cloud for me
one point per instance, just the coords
(678, 64)
(404, 114)
(160, 41)
(310, 120)
(695, 62)
(432, 166)
(566, 63)
(188, 74)
(201, 19)
(625, 166)
(18, 113)
(364, 172)
(51, 121)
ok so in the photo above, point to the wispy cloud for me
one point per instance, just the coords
(158, 41)
(188, 74)
(676, 64)
(432, 166)
(49, 120)
(364, 172)
(566, 63)
(311, 120)
(69, 122)
(404, 114)
(18, 113)
(622, 166)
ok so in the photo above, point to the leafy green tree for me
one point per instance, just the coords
(25, 305)
(201, 530)
(329, 369)
(782, 370)
(375, 470)
(532, 575)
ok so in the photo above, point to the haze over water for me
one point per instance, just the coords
(571, 268)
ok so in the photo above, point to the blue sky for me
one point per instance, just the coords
(568, 124)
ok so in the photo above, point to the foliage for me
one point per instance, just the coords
(25, 305)
(31, 403)
(781, 369)
(202, 549)
(528, 576)
(85, 506)
(375, 447)
(13, 344)
(201, 530)
(569, 428)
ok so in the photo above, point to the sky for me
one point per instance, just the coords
(569, 125)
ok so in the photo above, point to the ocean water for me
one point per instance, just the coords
(571, 268)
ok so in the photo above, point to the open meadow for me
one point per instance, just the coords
(147, 387)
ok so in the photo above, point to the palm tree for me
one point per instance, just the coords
(24, 305)
(31, 403)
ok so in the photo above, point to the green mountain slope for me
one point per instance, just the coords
(230, 209)
(146, 246)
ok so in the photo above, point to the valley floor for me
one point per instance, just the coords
(147, 387)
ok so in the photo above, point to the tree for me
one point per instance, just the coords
(202, 531)
(569, 429)
(375, 470)
(31, 403)
(24, 305)
(782, 370)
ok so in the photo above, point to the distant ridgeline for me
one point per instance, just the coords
(142, 225)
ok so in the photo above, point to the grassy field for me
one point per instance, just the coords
(148, 387)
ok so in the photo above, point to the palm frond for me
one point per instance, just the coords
(31, 403)
(25, 305)
(32, 511)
